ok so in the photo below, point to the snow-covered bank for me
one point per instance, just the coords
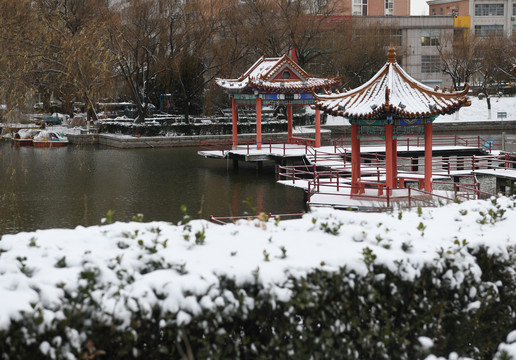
(138, 266)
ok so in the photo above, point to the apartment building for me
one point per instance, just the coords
(486, 17)
(415, 39)
(377, 7)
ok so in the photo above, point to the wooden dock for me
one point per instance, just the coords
(458, 172)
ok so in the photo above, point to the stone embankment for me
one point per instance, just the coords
(131, 142)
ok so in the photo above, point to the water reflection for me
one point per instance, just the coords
(77, 185)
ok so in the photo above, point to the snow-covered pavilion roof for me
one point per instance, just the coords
(267, 75)
(392, 92)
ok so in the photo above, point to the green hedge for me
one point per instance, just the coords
(330, 315)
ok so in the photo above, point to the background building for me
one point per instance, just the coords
(416, 40)
(378, 7)
(487, 17)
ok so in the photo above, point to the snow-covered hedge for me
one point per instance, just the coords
(410, 285)
(183, 129)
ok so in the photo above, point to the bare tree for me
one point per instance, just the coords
(203, 42)
(458, 57)
(493, 54)
(54, 47)
(135, 44)
(77, 60)
(307, 22)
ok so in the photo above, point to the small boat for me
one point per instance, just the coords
(24, 137)
(49, 139)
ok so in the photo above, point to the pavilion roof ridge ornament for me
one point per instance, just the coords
(391, 55)
(392, 91)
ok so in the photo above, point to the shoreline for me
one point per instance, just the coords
(328, 132)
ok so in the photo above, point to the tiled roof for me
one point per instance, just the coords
(263, 76)
(392, 92)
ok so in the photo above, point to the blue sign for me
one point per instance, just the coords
(489, 143)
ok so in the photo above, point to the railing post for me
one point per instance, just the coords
(408, 144)
(293, 175)
(309, 192)
(338, 181)
(388, 195)
(409, 202)
(318, 184)
(315, 171)
(331, 175)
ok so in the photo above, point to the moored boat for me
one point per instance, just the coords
(25, 137)
(49, 139)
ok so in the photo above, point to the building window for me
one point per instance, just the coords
(430, 37)
(440, 11)
(514, 9)
(514, 30)
(488, 9)
(433, 12)
(389, 8)
(430, 64)
(360, 7)
(488, 30)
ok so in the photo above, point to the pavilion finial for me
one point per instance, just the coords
(391, 56)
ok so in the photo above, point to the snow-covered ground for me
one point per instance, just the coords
(476, 112)
(37, 267)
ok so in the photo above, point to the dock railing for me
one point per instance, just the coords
(411, 143)
(409, 195)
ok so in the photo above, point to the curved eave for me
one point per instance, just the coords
(391, 85)
(232, 84)
(383, 111)
(295, 86)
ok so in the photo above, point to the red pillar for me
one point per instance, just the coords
(259, 123)
(428, 157)
(234, 117)
(290, 117)
(389, 157)
(355, 158)
(318, 129)
(395, 162)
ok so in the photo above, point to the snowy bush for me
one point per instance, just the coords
(267, 289)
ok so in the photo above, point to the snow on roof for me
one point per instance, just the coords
(392, 91)
(263, 75)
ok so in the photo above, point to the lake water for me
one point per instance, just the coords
(78, 185)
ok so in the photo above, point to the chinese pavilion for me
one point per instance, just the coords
(389, 105)
(275, 81)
